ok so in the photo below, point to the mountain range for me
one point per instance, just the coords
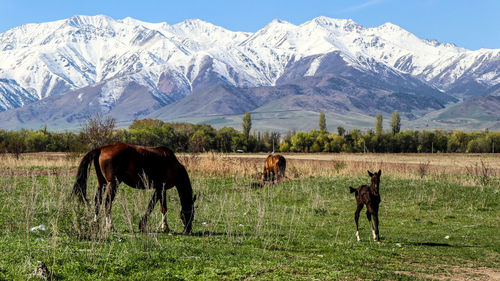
(58, 73)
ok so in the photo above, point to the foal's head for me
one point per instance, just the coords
(187, 217)
(375, 182)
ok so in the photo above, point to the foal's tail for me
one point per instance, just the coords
(352, 190)
(80, 187)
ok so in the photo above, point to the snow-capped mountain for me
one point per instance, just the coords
(171, 62)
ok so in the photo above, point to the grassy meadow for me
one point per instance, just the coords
(439, 219)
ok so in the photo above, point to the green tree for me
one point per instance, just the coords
(224, 138)
(322, 122)
(301, 142)
(378, 125)
(246, 125)
(395, 123)
(341, 131)
(479, 145)
(285, 146)
(458, 142)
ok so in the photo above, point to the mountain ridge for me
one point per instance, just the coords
(180, 61)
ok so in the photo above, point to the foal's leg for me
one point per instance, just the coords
(163, 202)
(373, 210)
(375, 220)
(356, 219)
(144, 221)
(369, 216)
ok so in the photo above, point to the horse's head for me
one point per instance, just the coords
(187, 217)
(375, 182)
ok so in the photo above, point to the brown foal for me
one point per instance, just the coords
(369, 196)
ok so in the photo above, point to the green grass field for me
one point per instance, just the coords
(301, 229)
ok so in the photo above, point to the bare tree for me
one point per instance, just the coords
(98, 131)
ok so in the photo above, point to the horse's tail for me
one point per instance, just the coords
(282, 162)
(80, 187)
(282, 165)
(352, 189)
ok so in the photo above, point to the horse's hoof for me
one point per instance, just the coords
(357, 236)
(165, 229)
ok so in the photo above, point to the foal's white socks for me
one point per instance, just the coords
(374, 236)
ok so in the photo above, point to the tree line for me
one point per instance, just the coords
(185, 137)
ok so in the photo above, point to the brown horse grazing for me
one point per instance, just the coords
(139, 167)
(274, 167)
(369, 196)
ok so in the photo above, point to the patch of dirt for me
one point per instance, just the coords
(456, 273)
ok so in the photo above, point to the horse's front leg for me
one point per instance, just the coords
(265, 176)
(369, 216)
(163, 202)
(144, 221)
(375, 221)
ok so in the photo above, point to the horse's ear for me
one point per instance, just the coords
(379, 172)
(370, 173)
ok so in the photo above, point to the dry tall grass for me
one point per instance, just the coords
(461, 168)
(456, 167)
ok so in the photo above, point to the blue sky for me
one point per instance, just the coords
(466, 23)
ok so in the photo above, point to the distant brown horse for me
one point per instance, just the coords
(369, 196)
(139, 167)
(274, 167)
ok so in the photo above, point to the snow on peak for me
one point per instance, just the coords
(331, 23)
(390, 26)
(54, 57)
(79, 20)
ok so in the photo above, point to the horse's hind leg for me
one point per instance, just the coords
(275, 175)
(144, 221)
(163, 202)
(101, 188)
(112, 186)
(278, 174)
(98, 200)
(356, 219)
